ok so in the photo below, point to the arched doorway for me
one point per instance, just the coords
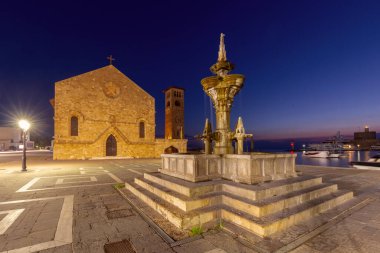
(111, 146)
(170, 150)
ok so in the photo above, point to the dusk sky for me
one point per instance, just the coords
(312, 67)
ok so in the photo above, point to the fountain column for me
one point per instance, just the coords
(222, 89)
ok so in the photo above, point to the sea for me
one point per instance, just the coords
(336, 162)
(281, 146)
(284, 146)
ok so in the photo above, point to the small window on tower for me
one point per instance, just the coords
(168, 104)
(142, 129)
(177, 103)
(74, 126)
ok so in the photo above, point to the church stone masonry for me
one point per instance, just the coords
(104, 113)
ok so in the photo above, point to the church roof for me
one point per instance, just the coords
(107, 69)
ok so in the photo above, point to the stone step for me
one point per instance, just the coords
(270, 189)
(178, 217)
(268, 225)
(181, 186)
(278, 203)
(256, 208)
(181, 201)
(274, 214)
(253, 192)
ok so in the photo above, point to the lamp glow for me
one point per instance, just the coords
(24, 124)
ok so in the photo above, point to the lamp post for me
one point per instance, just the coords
(24, 125)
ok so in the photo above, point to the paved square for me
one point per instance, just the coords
(75, 180)
(38, 229)
(60, 182)
(10, 217)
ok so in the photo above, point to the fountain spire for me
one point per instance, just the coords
(222, 66)
(222, 55)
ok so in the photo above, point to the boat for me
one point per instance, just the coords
(330, 148)
(321, 154)
(334, 155)
(375, 147)
(372, 164)
(316, 154)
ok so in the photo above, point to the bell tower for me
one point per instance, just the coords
(174, 113)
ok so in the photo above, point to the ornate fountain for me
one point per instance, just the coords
(223, 161)
(222, 89)
(188, 204)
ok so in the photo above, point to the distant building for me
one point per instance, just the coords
(365, 139)
(11, 139)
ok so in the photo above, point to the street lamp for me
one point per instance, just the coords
(24, 125)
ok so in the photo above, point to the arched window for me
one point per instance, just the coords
(177, 103)
(74, 126)
(142, 129)
(168, 104)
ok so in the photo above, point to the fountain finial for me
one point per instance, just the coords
(240, 126)
(240, 135)
(222, 66)
(222, 55)
(208, 129)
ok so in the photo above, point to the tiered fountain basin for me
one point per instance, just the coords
(262, 209)
(250, 168)
(199, 190)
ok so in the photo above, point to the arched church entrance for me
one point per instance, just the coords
(170, 150)
(111, 146)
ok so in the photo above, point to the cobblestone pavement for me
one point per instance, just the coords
(72, 206)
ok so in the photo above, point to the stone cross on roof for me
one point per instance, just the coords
(111, 59)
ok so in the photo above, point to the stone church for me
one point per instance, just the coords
(104, 113)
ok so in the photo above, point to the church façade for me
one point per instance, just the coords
(104, 113)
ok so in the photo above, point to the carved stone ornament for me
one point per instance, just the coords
(111, 90)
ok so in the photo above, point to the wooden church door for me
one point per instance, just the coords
(111, 146)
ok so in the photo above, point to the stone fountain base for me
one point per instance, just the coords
(249, 168)
(204, 190)
(262, 209)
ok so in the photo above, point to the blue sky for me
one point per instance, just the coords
(312, 67)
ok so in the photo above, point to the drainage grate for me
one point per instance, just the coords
(119, 247)
(121, 213)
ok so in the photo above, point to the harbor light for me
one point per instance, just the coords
(24, 125)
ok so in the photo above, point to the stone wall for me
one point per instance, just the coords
(127, 150)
